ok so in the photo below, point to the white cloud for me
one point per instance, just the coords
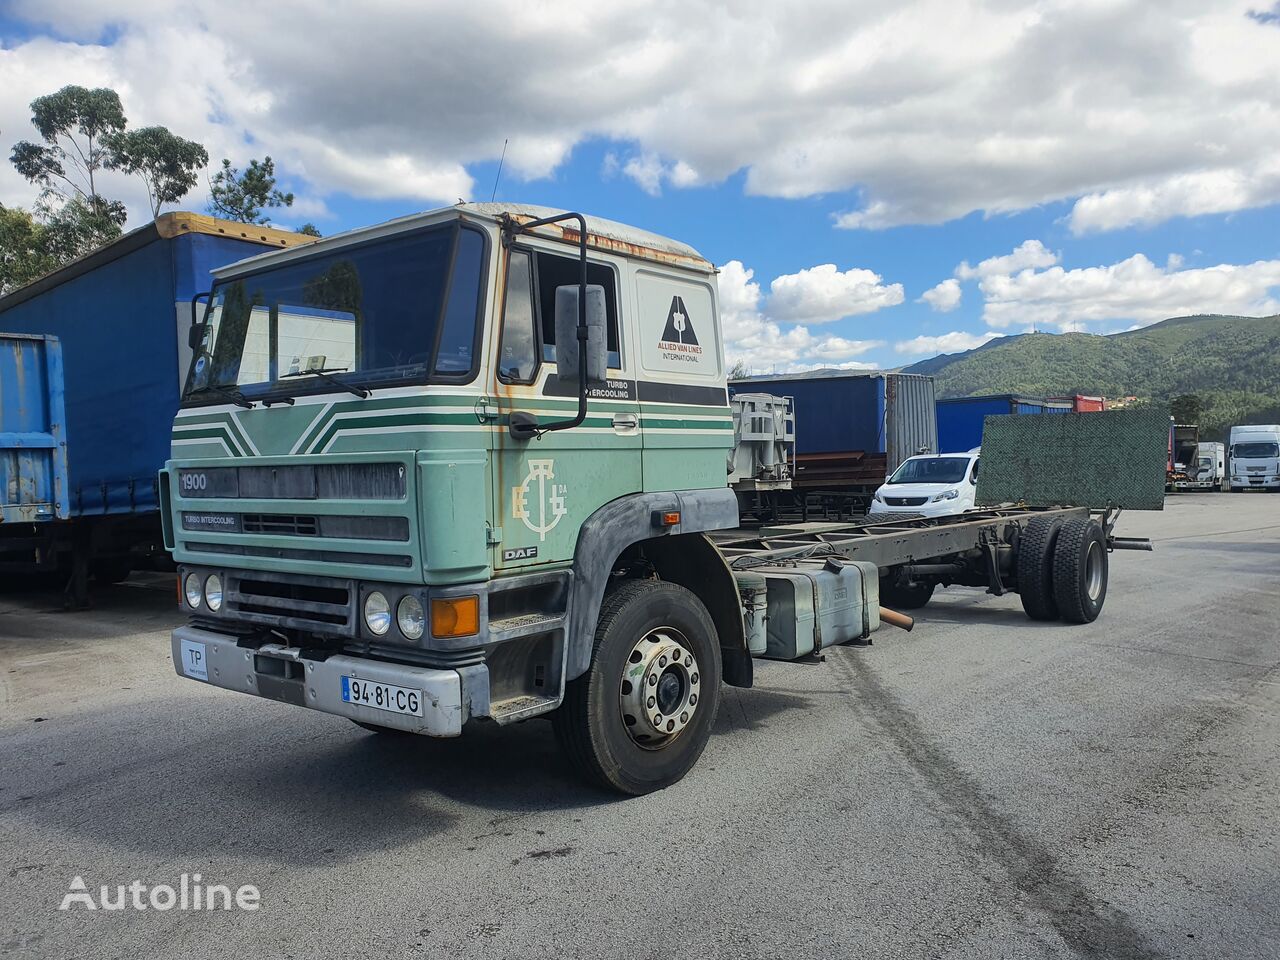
(1223, 190)
(954, 342)
(1029, 254)
(823, 294)
(929, 109)
(765, 345)
(944, 297)
(1133, 290)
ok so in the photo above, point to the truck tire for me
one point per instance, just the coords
(906, 598)
(639, 718)
(1080, 570)
(1035, 567)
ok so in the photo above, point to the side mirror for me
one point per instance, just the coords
(567, 333)
(195, 335)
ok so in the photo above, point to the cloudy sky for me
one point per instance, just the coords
(879, 181)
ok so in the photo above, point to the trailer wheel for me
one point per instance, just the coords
(1035, 567)
(639, 718)
(906, 598)
(1080, 571)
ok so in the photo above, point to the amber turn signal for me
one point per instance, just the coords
(455, 616)
(671, 518)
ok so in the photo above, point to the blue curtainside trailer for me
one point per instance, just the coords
(33, 434)
(121, 314)
(960, 419)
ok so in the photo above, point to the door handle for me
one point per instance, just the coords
(625, 421)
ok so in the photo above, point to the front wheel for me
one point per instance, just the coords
(639, 718)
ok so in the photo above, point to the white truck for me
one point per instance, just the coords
(1209, 471)
(1255, 457)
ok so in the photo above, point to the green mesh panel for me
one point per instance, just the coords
(1117, 458)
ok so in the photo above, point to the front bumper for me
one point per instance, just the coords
(278, 672)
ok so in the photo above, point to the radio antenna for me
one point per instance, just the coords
(498, 176)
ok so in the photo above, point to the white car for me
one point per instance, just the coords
(930, 485)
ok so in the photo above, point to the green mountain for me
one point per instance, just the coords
(1231, 364)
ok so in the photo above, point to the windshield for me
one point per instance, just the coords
(1252, 450)
(400, 310)
(931, 470)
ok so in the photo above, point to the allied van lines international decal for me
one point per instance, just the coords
(550, 505)
(678, 341)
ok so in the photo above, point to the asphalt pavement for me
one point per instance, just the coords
(984, 786)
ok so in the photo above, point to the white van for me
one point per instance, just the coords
(930, 485)
(1255, 457)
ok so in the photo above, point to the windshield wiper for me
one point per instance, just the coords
(327, 375)
(235, 396)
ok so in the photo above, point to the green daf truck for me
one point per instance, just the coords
(470, 466)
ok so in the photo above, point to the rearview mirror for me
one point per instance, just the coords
(567, 333)
(195, 335)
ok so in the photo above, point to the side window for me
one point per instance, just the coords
(973, 474)
(518, 358)
(552, 272)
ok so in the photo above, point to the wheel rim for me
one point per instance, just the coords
(1093, 571)
(659, 691)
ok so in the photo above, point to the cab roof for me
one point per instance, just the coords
(602, 234)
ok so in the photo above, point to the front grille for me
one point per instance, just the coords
(287, 524)
(324, 481)
(905, 501)
(292, 601)
(288, 553)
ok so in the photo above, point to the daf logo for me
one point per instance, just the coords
(548, 506)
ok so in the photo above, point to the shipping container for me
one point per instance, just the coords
(122, 314)
(33, 446)
(1082, 404)
(960, 419)
(853, 429)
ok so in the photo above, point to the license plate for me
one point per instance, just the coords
(193, 662)
(382, 696)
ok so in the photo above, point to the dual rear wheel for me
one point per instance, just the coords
(1062, 569)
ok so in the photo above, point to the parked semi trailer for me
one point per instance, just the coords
(960, 419)
(470, 465)
(33, 444)
(122, 315)
(852, 431)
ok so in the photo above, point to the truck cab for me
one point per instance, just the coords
(374, 502)
(1254, 453)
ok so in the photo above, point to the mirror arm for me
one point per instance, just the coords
(511, 227)
(194, 300)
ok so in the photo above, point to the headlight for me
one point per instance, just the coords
(213, 592)
(876, 497)
(410, 616)
(946, 495)
(377, 613)
(191, 587)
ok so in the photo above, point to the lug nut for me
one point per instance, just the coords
(653, 678)
(684, 718)
(693, 698)
(662, 661)
(688, 661)
(652, 703)
(694, 678)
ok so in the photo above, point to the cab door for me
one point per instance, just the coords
(544, 488)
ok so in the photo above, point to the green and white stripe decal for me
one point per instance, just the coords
(334, 419)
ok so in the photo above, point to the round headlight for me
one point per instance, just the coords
(213, 592)
(191, 587)
(411, 617)
(377, 613)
